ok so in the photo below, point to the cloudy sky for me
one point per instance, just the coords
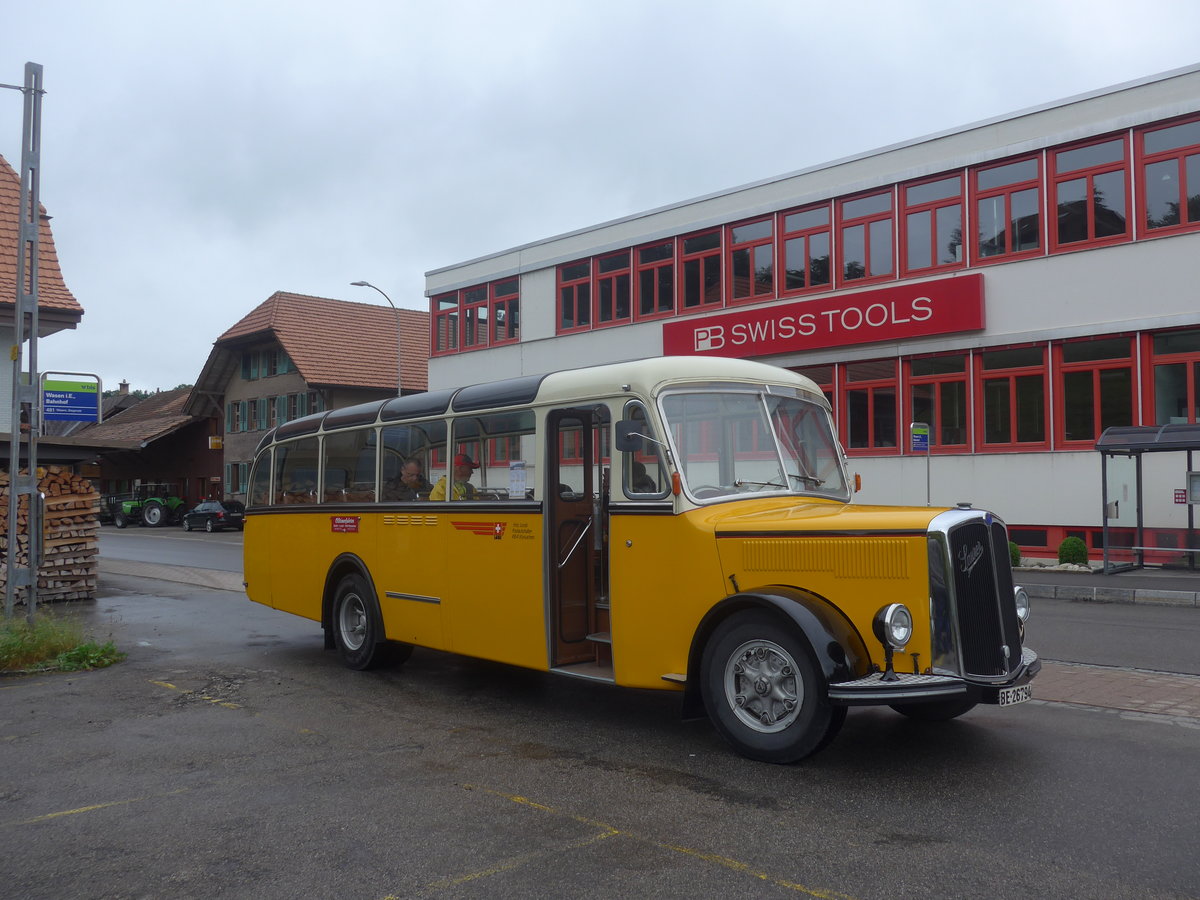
(198, 156)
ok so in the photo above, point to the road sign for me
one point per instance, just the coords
(74, 400)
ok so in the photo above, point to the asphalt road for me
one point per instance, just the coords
(232, 756)
(220, 550)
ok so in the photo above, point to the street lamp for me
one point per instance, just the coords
(399, 338)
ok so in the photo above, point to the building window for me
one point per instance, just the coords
(1091, 193)
(933, 225)
(445, 323)
(865, 238)
(1170, 170)
(506, 311)
(869, 389)
(1095, 384)
(823, 376)
(752, 260)
(1008, 203)
(937, 390)
(1012, 399)
(574, 296)
(655, 272)
(700, 259)
(474, 317)
(1176, 363)
(613, 289)
(807, 253)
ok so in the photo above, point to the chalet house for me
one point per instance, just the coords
(58, 309)
(293, 355)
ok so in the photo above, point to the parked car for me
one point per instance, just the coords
(214, 515)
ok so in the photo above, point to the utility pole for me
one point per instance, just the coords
(25, 326)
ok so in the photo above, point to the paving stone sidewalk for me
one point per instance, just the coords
(1135, 690)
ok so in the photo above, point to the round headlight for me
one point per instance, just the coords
(1021, 598)
(893, 625)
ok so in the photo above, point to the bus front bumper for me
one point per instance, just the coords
(873, 690)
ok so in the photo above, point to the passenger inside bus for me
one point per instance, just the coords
(411, 484)
(464, 467)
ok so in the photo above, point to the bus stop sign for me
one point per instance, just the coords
(70, 401)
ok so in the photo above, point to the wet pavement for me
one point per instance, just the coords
(1125, 690)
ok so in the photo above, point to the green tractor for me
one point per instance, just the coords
(150, 504)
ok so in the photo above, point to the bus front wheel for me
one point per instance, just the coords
(358, 627)
(763, 690)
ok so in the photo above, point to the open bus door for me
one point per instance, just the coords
(576, 529)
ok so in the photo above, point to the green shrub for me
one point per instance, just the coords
(1014, 553)
(1073, 550)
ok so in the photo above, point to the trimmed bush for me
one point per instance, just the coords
(1014, 553)
(1073, 550)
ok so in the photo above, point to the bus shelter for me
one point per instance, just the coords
(1132, 442)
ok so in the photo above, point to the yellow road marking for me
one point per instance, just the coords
(83, 809)
(606, 831)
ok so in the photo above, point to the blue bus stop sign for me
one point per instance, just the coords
(70, 401)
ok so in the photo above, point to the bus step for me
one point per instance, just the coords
(600, 637)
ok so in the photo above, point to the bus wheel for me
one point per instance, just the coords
(763, 690)
(937, 711)
(356, 626)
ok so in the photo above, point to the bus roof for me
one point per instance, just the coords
(644, 377)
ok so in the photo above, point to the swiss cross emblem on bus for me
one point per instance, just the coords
(344, 524)
(482, 529)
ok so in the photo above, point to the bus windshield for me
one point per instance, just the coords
(738, 441)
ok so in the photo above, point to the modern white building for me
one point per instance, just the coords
(1018, 284)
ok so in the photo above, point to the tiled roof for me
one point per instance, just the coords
(155, 417)
(53, 294)
(339, 343)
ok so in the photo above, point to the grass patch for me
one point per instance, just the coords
(52, 642)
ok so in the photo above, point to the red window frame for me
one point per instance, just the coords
(1017, 419)
(873, 379)
(1005, 187)
(574, 296)
(444, 316)
(750, 260)
(654, 280)
(863, 211)
(801, 232)
(700, 264)
(931, 213)
(1096, 177)
(505, 306)
(938, 374)
(473, 302)
(1180, 162)
(1103, 413)
(1188, 358)
(612, 291)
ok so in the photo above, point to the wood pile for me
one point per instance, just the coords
(70, 550)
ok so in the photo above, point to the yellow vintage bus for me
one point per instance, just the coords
(677, 523)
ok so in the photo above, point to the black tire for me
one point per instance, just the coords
(358, 628)
(208, 526)
(119, 520)
(153, 514)
(784, 713)
(938, 710)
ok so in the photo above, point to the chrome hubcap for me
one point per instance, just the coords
(761, 686)
(352, 622)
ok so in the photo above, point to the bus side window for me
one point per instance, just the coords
(644, 476)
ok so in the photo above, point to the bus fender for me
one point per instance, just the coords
(837, 646)
(345, 564)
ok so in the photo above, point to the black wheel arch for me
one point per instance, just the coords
(343, 565)
(837, 646)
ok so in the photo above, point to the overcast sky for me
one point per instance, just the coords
(198, 156)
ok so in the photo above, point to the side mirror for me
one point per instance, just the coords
(628, 437)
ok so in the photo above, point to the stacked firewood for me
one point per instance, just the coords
(70, 527)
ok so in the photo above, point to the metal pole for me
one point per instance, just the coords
(23, 396)
(399, 336)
